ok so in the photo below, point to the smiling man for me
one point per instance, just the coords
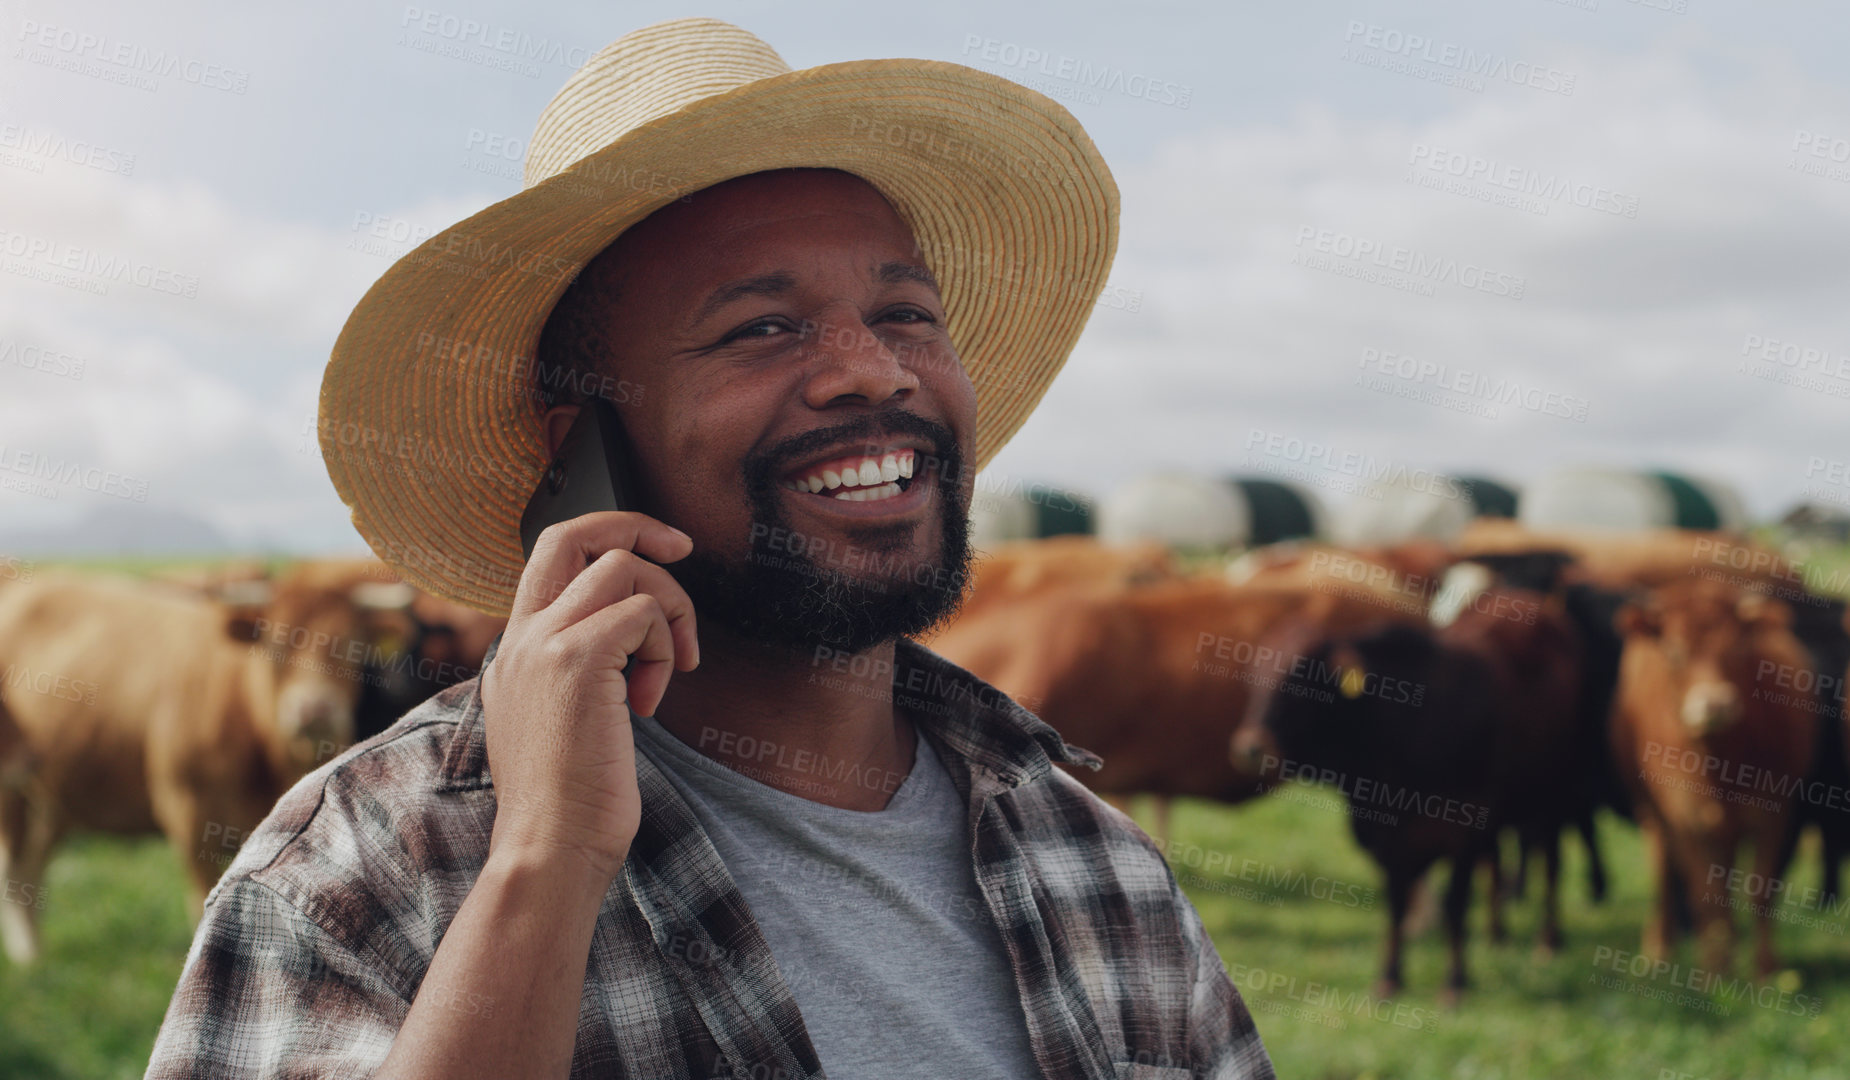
(708, 812)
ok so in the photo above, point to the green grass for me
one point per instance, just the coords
(1524, 1016)
(116, 935)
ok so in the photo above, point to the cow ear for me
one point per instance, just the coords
(1643, 620)
(243, 622)
(1763, 611)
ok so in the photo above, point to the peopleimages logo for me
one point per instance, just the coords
(1457, 60)
(1101, 77)
(1417, 264)
(1546, 187)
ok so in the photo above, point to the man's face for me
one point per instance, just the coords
(787, 335)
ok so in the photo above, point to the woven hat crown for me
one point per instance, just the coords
(640, 77)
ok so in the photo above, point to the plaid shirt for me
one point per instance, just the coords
(317, 937)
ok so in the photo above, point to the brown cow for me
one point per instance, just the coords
(422, 643)
(1016, 571)
(1405, 574)
(144, 709)
(1644, 558)
(1710, 757)
(1152, 679)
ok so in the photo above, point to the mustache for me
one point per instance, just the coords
(761, 469)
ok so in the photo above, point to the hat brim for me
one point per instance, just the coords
(429, 420)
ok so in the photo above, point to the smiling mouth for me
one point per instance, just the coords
(856, 477)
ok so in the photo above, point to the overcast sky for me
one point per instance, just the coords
(1674, 291)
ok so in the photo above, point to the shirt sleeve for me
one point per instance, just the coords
(267, 993)
(1223, 1044)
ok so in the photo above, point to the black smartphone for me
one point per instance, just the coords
(594, 470)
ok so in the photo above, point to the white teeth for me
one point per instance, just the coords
(869, 473)
(872, 494)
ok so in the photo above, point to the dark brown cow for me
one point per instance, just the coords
(1152, 679)
(1439, 738)
(1711, 757)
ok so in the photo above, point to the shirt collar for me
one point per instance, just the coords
(972, 719)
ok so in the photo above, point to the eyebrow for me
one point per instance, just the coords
(781, 281)
(895, 272)
(772, 284)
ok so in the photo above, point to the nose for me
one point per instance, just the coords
(1710, 706)
(317, 714)
(852, 364)
(1250, 749)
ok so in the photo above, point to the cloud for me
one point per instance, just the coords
(154, 332)
(1656, 220)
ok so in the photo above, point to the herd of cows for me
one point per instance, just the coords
(1463, 699)
(1509, 685)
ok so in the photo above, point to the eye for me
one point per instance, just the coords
(760, 328)
(907, 315)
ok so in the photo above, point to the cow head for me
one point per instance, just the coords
(1319, 699)
(311, 638)
(1704, 636)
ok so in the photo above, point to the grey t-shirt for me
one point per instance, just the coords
(874, 918)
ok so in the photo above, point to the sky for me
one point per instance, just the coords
(1625, 243)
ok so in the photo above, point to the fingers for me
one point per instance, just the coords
(638, 629)
(616, 575)
(565, 548)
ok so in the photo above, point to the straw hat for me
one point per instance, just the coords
(430, 419)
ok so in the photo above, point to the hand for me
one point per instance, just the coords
(557, 697)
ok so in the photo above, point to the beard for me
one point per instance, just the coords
(790, 590)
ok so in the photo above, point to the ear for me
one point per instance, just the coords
(1641, 619)
(558, 421)
(1763, 611)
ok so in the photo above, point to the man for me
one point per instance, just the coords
(788, 843)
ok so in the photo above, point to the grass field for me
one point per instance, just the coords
(1303, 949)
(116, 934)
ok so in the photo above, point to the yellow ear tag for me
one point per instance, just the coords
(1353, 679)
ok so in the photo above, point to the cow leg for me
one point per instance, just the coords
(1457, 904)
(1550, 840)
(1698, 859)
(1766, 864)
(29, 830)
(1830, 873)
(1660, 929)
(1596, 864)
(203, 832)
(1499, 933)
(1400, 884)
(1160, 806)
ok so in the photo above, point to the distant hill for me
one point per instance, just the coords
(126, 529)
